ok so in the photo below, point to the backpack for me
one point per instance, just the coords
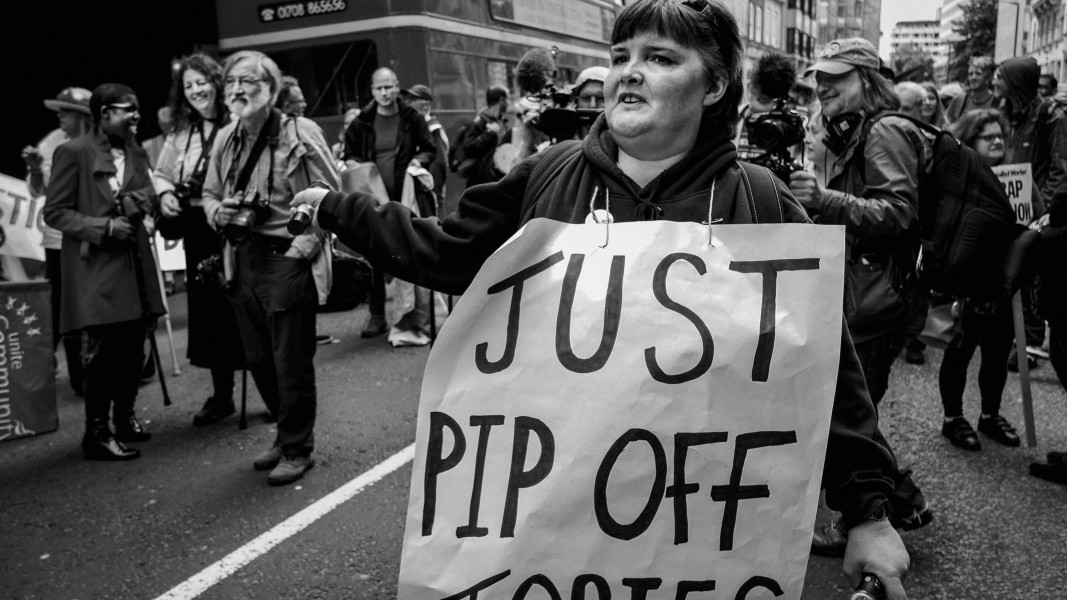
(966, 222)
(458, 162)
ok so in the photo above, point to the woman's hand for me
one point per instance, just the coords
(806, 188)
(121, 229)
(169, 205)
(33, 158)
(875, 547)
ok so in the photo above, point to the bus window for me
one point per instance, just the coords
(454, 83)
(333, 77)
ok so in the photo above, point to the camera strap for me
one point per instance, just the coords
(269, 131)
(205, 149)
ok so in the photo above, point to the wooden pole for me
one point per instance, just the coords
(1024, 368)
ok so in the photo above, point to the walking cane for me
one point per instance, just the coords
(139, 275)
(242, 423)
(1024, 368)
(166, 306)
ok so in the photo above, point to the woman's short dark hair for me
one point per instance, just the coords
(970, 125)
(183, 112)
(704, 26)
(878, 92)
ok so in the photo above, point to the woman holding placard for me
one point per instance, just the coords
(982, 324)
(661, 151)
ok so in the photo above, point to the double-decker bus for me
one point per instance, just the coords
(456, 47)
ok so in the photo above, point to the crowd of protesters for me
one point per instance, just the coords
(238, 154)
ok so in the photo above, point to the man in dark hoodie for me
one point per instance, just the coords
(394, 136)
(486, 132)
(1038, 136)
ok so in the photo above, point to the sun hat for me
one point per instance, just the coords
(72, 98)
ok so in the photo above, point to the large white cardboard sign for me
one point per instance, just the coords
(1018, 180)
(21, 219)
(602, 422)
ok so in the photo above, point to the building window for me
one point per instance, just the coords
(858, 12)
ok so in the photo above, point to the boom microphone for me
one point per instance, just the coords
(774, 75)
(534, 71)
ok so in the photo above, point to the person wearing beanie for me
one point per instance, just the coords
(1038, 136)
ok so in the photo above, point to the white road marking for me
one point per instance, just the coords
(231, 563)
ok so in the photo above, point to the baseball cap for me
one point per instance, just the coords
(72, 98)
(590, 74)
(843, 55)
(419, 92)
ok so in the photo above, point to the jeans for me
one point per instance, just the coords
(992, 332)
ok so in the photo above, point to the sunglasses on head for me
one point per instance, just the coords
(702, 7)
(127, 107)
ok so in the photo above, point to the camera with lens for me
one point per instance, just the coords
(193, 185)
(252, 208)
(209, 272)
(780, 129)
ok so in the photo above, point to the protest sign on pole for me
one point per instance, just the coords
(1018, 180)
(20, 220)
(649, 414)
(171, 253)
(27, 373)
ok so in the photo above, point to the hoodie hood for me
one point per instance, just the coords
(1020, 77)
(713, 151)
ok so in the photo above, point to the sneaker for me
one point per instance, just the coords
(290, 469)
(1036, 351)
(268, 459)
(1013, 362)
(961, 434)
(213, 411)
(1054, 471)
(914, 356)
(829, 539)
(999, 430)
(920, 517)
(375, 326)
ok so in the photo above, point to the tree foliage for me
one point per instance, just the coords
(976, 33)
(911, 63)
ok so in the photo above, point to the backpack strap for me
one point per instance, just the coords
(552, 161)
(759, 183)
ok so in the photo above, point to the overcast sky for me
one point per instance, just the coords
(904, 10)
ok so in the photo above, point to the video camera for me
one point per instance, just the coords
(778, 130)
(559, 118)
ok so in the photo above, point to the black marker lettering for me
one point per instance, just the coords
(607, 523)
(761, 364)
(612, 314)
(523, 479)
(581, 582)
(659, 288)
(515, 281)
(484, 424)
(681, 489)
(757, 581)
(472, 592)
(730, 494)
(640, 586)
(437, 464)
(684, 587)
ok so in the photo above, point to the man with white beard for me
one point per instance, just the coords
(258, 163)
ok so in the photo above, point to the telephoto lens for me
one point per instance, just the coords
(300, 219)
(870, 589)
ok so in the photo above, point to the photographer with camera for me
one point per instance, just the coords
(197, 102)
(100, 192)
(873, 190)
(274, 280)
(772, 131)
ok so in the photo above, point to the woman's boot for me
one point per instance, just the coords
(99, 444)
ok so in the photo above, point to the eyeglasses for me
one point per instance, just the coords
(988, 138)
(247, 83)
(126, 107)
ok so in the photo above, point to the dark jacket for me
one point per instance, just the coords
(100, 285)
(874, 192)
(445, 255)
(1038, 129)
(413, 140)
(480, 143)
